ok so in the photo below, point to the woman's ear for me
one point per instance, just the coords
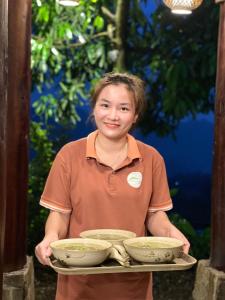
(135, 119)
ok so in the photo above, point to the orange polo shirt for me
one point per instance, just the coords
(97, 197)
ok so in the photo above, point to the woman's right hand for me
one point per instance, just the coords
(56, 228)
(43, 250)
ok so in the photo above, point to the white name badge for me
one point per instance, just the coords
(134, 179)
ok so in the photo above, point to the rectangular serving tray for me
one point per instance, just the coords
(110, 266)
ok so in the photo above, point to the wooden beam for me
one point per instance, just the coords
(217, 257)
(3, 122)
(19, 35)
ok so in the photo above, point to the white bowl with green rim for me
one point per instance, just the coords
(154, 249)
(80, 252)
(114, 236)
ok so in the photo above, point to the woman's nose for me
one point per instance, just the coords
(113, 114)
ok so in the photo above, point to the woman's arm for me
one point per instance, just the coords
(56, 228)
(159, 224)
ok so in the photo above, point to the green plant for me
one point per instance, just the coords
(199, 240)
(73, 47)
(42, 154)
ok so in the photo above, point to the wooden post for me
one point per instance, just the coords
(217, 257)
(16, 144)
(3, 122)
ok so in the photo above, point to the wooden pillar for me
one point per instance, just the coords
(3, 122)
(217, 257)
(16, 144)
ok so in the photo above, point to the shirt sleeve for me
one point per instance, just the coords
(160, 198)
(56, 194)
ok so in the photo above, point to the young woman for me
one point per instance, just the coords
(108, 180)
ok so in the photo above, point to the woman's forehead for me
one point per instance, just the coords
(113, 89)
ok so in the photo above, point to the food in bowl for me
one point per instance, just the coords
(81, 247)
(114, 236)
(81, 252)
(151, 245)
(153, 249)
(108, 237)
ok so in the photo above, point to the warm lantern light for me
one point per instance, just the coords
(68, 2)
(182, 6)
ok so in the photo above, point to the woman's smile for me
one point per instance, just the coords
(112, 125)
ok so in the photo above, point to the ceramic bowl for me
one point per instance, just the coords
(80, 252)
(114, 236)
(153, 249)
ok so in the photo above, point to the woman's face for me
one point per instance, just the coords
(114, 111)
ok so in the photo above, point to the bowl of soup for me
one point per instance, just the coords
(114, 236)
(153, 249)
(80, 252)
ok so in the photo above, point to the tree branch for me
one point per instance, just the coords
(79, 44)
(108, 14)
(121, 32)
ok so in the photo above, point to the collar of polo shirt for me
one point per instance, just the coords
(133, 151)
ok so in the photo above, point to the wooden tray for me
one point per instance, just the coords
(111, 266)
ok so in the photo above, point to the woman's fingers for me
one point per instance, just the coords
(186, 247)
(43, 252)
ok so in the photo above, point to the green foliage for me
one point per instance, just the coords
(175, 55)
(181, 71)
(40, 163)
(200, 241)
(66, 49)
(173, 192)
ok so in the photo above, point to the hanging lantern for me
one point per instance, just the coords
(68, 2)
(182, 6)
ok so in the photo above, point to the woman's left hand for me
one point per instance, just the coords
(159, 224)
(177, 234)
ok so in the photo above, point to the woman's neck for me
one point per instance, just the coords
(111, 145)
(111, 152)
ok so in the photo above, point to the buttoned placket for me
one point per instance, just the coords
(112, 174)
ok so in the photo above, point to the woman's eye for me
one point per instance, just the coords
(124, 108)
(104, 105)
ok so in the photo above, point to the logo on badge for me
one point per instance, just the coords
(134, 179)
